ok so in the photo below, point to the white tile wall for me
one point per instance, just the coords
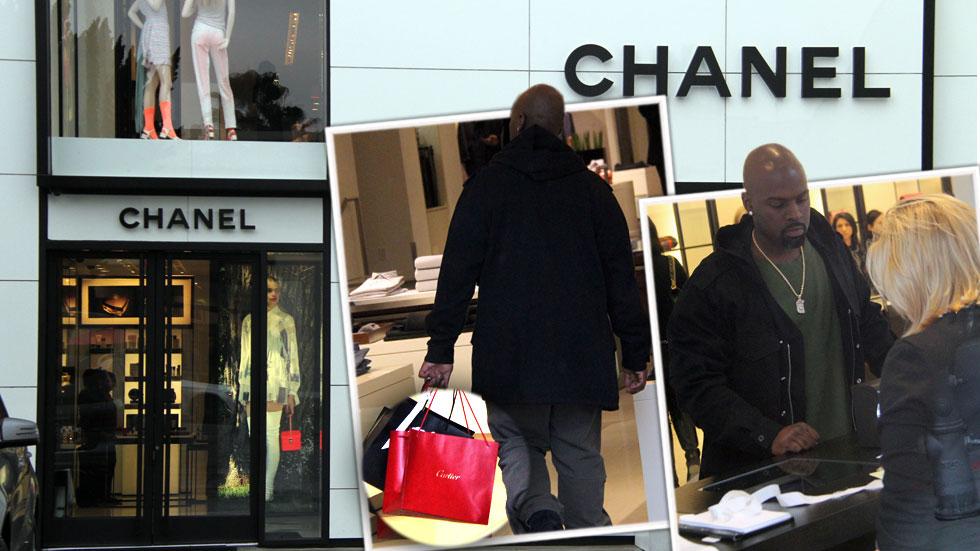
(709, 135)
(361, 95)
(891, 30)
(345, 514)
(343, 464)
(17, 30)
(881, 135)
(339, 374)
(956, 37)
(18, 333)
(433, 34)
(18, 143)
(19, 210)
(955, 130)
(19, 228)
(560, 26)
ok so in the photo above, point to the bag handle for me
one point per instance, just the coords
(466, 402)
(473, 412)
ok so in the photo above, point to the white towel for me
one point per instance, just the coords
(423, 286)
(427, 275)
(428, 262)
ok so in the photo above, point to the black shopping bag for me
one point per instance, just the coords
(376, 453)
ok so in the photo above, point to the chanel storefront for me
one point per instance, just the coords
(184, 364)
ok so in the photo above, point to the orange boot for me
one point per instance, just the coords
(149, 133)
(167, 132)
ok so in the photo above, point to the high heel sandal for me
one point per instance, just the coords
(168, 134)
(231, 135)
(208, 132)
(150, 134)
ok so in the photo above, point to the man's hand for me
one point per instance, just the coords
(795, 438)
(635, 381)
(290, 406)
(436, 375)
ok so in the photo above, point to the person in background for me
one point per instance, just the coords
(846, 227)
(873, 216)
(97, 414)
(668, 278)
(925, 260)
(773, 327)
(479, 141)
(550, 248)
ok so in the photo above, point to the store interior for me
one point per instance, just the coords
(686, 228)
(141, 372)
(397, 191)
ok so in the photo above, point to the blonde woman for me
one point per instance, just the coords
(925, 260)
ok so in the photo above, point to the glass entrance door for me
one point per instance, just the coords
(147, 440)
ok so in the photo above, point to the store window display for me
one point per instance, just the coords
(153, 54)
(117, 60)
(282, 376)
(213, 24)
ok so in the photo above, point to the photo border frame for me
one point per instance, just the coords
(973, 171)
(347, 328)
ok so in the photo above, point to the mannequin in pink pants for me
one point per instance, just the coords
(209, 42)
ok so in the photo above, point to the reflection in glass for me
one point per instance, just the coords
(99, 415)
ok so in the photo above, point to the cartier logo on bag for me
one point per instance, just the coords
(449, 476)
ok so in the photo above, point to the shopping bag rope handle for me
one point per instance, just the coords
(475, 420)
(466, 403)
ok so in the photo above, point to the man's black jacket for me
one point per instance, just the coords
(736, 358)
(549, 247)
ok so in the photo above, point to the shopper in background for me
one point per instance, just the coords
(774, 326)
(549, 246)
(479, 141)
(926, 261)
(668, 278)
(873, 216)
(846, 227)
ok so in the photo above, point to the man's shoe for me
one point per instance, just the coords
(545, 520)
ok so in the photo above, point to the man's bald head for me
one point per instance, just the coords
(772, 164)
(776, 194)
(539, 105)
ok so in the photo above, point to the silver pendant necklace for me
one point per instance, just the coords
(800, 305)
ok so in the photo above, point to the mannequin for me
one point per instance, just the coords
(154, 54)
(209, 40)
(282, 376)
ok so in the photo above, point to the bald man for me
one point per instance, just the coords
(549, 246)
(774, 326)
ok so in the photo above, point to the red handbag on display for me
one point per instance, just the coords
(441, 475)
(290, 440)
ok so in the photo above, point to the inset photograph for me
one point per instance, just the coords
(788, 316)
(499, 254)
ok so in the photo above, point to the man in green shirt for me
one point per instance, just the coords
(774, 326)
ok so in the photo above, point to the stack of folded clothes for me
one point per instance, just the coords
(380, 284)
(427, 272)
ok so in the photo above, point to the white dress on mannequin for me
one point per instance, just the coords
(282, 380)
(209, 42)
(155, 35)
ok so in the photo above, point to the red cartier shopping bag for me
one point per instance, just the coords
(290, 440)
(441, 475)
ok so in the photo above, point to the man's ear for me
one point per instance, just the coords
(746, 201)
